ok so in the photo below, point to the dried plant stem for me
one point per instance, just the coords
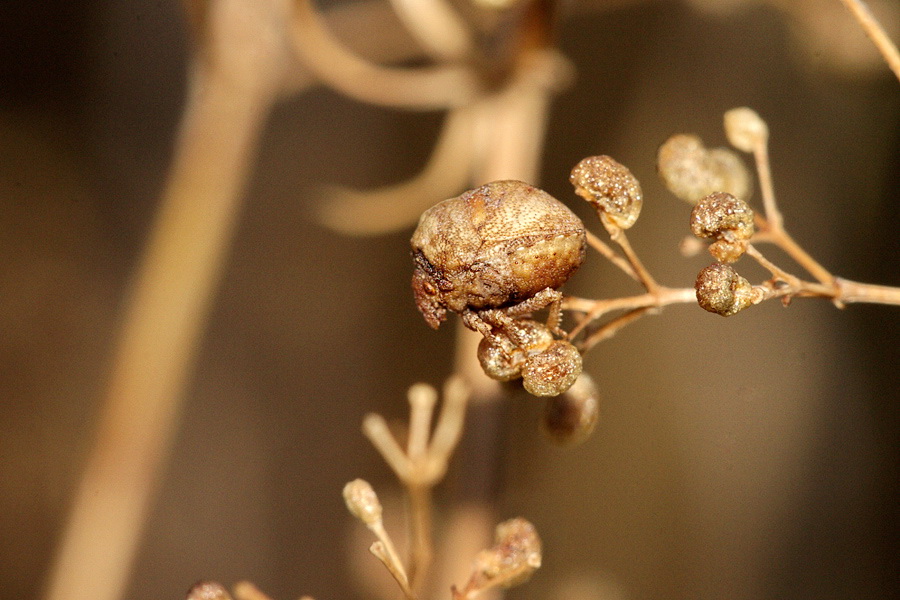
(427, 88)
(436, 26)
(771, 227)
(767, 188)
(237, 73)
(608, 330)
(595, 309)
(841, 291)
(163, 322)
(607, 252)
(394, 207)
(644, 276)
(876, 33)
(781, 238)
(421, 528)
(852, 291)
(385, 551)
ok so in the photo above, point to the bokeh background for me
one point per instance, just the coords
(753, 457)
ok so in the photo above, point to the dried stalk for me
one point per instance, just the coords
(176, 279)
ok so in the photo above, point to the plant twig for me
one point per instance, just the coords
(234, 83)
(595, 309)
(876, 33)
(426, 88)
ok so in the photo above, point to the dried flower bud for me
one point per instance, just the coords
(208, 590)
(244, 590)
(722, 291)
(690, 171)
(553, 371)
(500, 361)
(362, 502)
(570, 418)
(530, 335)
(611, 188)
(728, 220)
(503, 356)
(745, 129)
(516, 554)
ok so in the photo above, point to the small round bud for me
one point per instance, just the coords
(745, 129)
(611, 188)
(515, 556)
(530, 335)
(690, 171)
(500, 361)
(362, 502)
(570, 418)
(208, 590)
(553, 371)
(722, 291)
(726, 219)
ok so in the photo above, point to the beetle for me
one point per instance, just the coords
(494, 253)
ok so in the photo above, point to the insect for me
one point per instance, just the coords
(493, 255)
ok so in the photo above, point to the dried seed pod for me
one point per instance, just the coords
(512, 560)
(362, 501)
(503, 354)
(726, 219)
(494, 246)
(745, 129)
(500, 361)
(721, 290)
(570, 418)
(611, 188)
(690, 171)
(208, 590)
(553, 371)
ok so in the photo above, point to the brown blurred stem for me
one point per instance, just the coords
(230, 91)
(876, 33)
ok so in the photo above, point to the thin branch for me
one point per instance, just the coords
(646, 279)
(876, 33)
(609, 254)
(236, 76)
(427, 88)
(394, 207)
(611, 328)
(595, 309)
(436, 26)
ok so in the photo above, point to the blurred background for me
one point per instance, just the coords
(753, 457)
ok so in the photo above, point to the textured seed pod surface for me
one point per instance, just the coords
(610, 187)
(726, 219)
(493, 246)
(721, 290)
(690, 171)
(553, 371)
